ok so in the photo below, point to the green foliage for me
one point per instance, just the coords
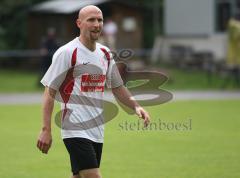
(13, 17)
(148, 20)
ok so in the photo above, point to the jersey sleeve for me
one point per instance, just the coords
(114, 79)
(56, 73)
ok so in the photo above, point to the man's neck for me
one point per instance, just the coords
(91, 45)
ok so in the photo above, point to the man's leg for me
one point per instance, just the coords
(76, 176)
(85, 155)
(90, 173)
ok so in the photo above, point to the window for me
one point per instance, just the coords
(223, 14)
(225, 9)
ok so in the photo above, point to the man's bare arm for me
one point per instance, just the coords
(45, 138)
(125, 97)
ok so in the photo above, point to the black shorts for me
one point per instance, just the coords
(84, 153)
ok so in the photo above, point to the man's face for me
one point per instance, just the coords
(91, 25)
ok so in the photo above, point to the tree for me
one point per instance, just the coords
(13, 19)
(153, 20)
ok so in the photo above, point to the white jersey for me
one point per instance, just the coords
(79, 76)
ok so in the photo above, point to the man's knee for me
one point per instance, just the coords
(90, 173)
(76, 176)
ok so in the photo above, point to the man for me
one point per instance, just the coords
(48, 47)
(84, 141)
(110, 30)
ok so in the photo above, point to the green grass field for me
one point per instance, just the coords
(24, 81)
(18, 81)
(210, 149)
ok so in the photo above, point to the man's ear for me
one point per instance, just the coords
(78, 22)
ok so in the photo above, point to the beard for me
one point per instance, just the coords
(94, 35)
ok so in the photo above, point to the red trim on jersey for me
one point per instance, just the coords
(66, 87)
(74, 58)
(107, 54)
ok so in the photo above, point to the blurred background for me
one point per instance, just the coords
(178, 38)
(195, 43)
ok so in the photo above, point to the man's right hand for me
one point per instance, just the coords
(44, 141)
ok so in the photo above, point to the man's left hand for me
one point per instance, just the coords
(143, 114)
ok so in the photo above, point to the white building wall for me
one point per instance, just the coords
(189, 17)
(217, 44)
(191, 23)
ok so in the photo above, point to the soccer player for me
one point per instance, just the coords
(83, 135)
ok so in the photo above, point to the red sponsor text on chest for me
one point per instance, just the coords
(92, 82)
